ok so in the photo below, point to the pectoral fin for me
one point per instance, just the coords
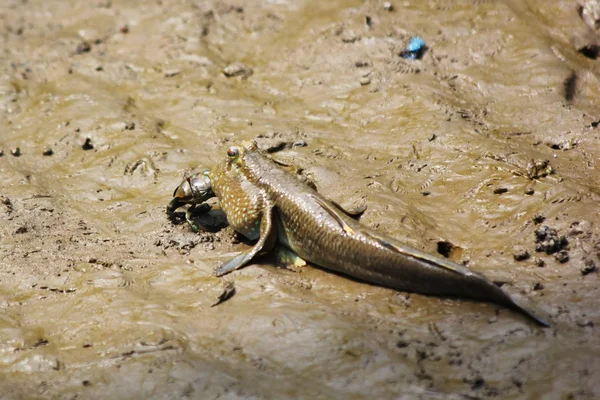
(287, 258)
(267, 237)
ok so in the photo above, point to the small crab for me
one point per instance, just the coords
(193, 190)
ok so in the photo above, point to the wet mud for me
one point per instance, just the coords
(486, 149)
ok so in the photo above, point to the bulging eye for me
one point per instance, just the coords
(233, 152)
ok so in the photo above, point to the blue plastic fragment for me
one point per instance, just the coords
(415, 44)
(415, 49)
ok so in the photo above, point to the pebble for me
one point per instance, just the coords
(48, 152)
(585, 323)
(300, 143)
(589, 266)
(16, 152)
(548, 241)
(83, 47)
(562, 256)
(538, 286)
(88, 144)
(237, 69)
(520, 253)
(539, 262)
(365, 80)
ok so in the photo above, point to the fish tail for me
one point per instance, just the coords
(524, 305)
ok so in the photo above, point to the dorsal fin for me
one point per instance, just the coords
(331, 210)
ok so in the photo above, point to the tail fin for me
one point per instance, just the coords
(527, 307)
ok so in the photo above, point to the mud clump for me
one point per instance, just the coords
(520, 253)
(548, 241)
(589, 266)
(539, 169)
(87, 145)
(237, 69)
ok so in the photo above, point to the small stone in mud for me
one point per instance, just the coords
(227, 292)
(539, 262)
(48, 152)
(350, 37)
(171, 73)
(425, 193)
(16, 152)
(124, 29)
(585, 323)
(1, 152)
(86, 383)
(83, 47)
(88, 144)
(237, 69)
(387, 6)
(364, 81)
(500, 190)
(21, 229)
(130, 126)
(6, 201)
(300, 143)
(538, 286)
(548, 241)
(361, 64)
(538, 218)
(562, 256)
(589, 266)
(529, 191)
(539, 169)
(520, 253)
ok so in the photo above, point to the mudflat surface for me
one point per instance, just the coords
(484, 146)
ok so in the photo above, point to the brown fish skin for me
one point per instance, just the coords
(320, 232)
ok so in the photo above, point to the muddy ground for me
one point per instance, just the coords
(486, 150)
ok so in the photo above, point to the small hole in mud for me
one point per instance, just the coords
(444, 248)
(590, 51)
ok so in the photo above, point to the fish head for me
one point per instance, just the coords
(194, 189)
(229, 177)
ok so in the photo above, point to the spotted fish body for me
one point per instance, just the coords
(240, 200)
(320, 232)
